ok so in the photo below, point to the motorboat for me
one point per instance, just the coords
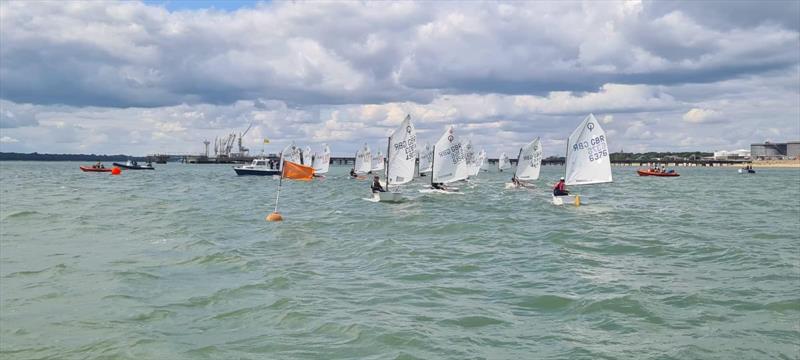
(259, 167)
(95, 168)
(668, 173)
(133, 165)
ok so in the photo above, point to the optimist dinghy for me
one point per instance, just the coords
(587, 160)
(401, 160)
(449, 162)
(529, 164)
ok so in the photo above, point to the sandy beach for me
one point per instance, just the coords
(777, 163)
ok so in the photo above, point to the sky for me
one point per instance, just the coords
(148, 77)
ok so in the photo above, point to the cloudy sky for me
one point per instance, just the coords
(145, 77)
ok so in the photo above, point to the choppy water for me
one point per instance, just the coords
(178, 263)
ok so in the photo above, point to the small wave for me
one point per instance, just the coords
(22, 214)
(135, 275)
(55, 269)
(545, 302)
(473, 321)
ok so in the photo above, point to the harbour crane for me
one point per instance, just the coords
(243, 150)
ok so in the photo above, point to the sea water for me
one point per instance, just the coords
(178, 263)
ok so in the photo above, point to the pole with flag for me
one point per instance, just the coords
(292, 171)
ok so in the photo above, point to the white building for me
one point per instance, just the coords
(740, 154)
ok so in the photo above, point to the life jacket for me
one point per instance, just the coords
(559, 186)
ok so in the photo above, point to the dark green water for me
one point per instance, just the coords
(178, 263)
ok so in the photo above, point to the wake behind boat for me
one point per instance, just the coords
(259, 167)
(133, 165)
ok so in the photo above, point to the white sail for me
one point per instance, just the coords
(469, 155)
(476, 167)
(588, 160)
(425, 158)
(306, 156)
(363, 160)
(377, 161)
(530, 161)
(503, 163)
(482, 164)
(291, 153)
(448, 159)
(322, 162)
(402, 154)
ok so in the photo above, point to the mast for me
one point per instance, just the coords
(388, 146)
(519, 157)
(433, 157)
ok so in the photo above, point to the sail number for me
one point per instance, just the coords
(409, 147)
(596, 147)
(454, 152)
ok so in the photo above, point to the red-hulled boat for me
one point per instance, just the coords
(94, 169)
(670, 173)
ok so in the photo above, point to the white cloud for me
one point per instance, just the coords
(8, 140)
(697, 116)
(77, 75)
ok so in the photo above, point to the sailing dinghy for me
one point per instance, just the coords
(449, 163)
(400, 161)
(363, 162)
(503, 163)
(425, 159)
(587, 160)
(377, 162)
(529, 164)
(322, 163)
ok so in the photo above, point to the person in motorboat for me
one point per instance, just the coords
(376, 185)
(98, 166)
(559, 189)
(353, 173)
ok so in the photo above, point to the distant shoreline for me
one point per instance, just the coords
(10, 156)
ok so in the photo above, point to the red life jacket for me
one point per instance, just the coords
(559, 186)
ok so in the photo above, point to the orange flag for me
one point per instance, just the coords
(296, 171)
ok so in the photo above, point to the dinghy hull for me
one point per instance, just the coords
(567, 200)
(390, 197)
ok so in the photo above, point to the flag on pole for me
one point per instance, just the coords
(297, 172)
(293, 171)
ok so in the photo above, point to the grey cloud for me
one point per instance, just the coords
(14, 115)
(130, 54)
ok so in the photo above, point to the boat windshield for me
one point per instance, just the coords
(260, 163)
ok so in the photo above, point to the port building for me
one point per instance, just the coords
(775, 151)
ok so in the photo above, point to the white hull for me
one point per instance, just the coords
(567, 200)
(389, 196)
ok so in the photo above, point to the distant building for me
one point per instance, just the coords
(740, 154)
(775, 151)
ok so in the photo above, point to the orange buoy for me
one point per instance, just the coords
(116, 171)
(274, 217)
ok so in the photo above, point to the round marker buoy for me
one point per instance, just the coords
(116, 171)
(274, 217)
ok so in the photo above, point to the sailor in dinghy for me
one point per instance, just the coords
(449, 163)
(587, 160)
(529, 163)
(401, 160)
